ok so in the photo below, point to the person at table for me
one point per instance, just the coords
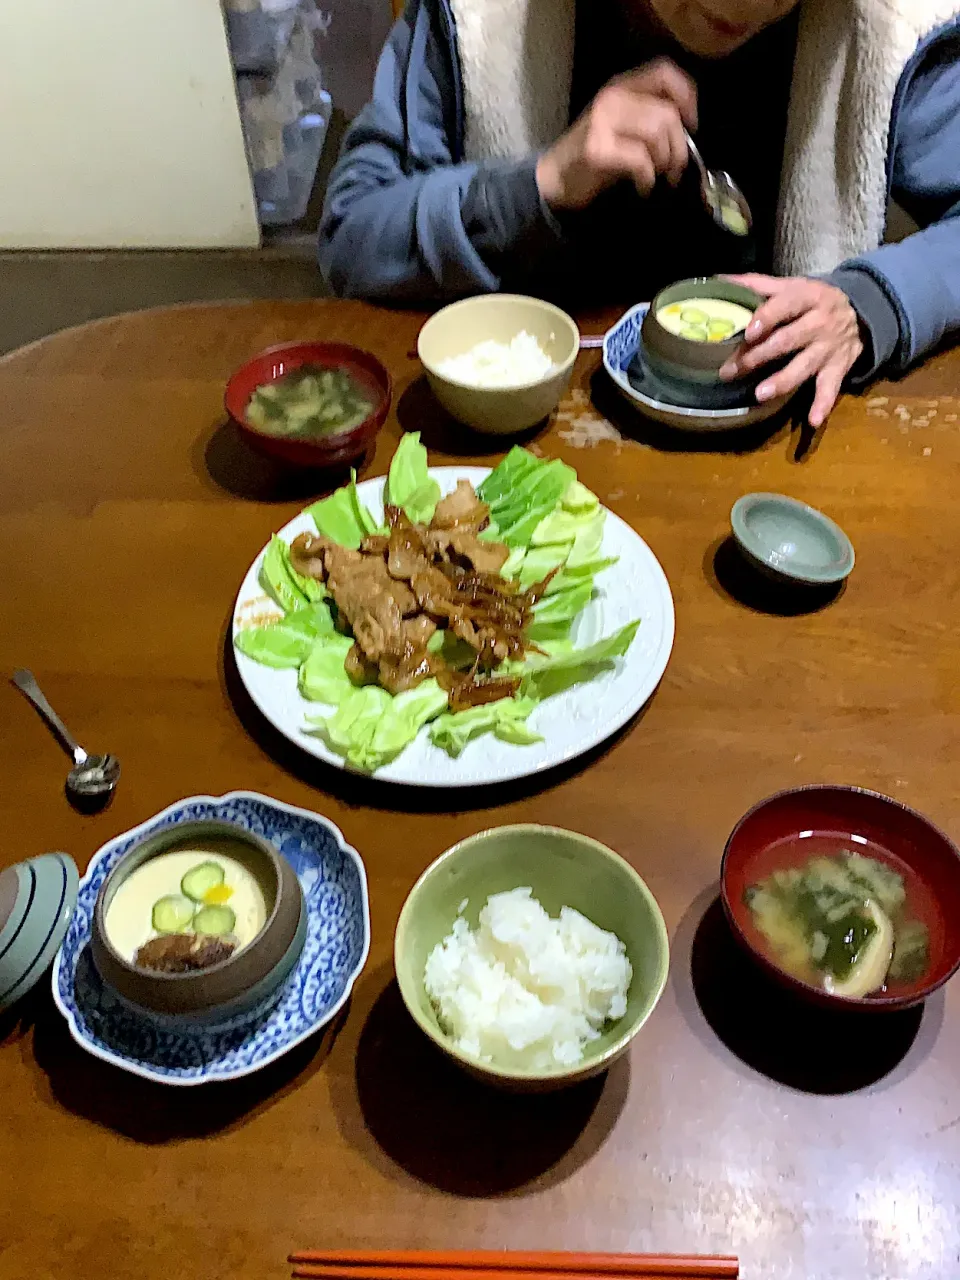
(465, 173)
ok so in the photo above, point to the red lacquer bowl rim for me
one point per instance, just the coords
(324, 450)
(732, 910)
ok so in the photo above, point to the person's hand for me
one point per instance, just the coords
(632, 129)
(810, 317)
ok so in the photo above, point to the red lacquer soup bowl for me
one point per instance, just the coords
(335, 450)
(777, 833)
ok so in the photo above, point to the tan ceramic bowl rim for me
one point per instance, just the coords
(488, 299)
(245, 837)
(506, 1073)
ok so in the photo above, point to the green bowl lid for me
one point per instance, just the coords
(37, 901)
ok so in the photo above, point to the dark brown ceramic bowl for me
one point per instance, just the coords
(904, 839)
(243, 983)
(683, 361)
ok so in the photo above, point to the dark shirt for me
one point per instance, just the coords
(743, 101)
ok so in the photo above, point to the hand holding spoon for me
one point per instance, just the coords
(725, 202)
(92, 776)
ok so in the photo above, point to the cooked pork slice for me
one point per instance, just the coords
(463, 548)
(308, 555)
(356, 579)
(359, 667)
(375, 544)
(371, 602)
(461, 509)
(407, 661)
(406, 554)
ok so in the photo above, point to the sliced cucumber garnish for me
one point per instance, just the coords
(172, 914)
(201, 879)
(721, 328)
(217, 920)
(694, 333)
(693, 315)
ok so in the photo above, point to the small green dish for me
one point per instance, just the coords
(563, 869)
(788, 539)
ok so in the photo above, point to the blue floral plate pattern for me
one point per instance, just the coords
(620, 345)
(338, 939)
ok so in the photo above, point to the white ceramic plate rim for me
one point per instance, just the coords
(486, 760)
(136, 1068)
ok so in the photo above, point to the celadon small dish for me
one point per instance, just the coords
(789, 539)
(37, 898)
(562, 868)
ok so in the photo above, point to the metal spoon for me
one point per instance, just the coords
(91, 776)
(725, 202)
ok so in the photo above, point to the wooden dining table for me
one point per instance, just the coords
(814, 1146)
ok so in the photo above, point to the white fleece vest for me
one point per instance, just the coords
(517, 61)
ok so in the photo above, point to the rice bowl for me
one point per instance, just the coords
(460, 338)
(562, 869)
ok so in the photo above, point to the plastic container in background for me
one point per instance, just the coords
(259, 32)
(285, 119)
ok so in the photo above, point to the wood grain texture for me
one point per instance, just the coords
(816, 1150)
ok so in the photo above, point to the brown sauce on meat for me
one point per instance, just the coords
(399, 588)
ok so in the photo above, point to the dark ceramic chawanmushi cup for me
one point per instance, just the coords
(247, 980)
(690, 368)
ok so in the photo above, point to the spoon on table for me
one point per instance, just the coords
(725, 202)
(91, 776)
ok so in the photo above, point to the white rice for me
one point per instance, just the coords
(525, 991)
(499, 364)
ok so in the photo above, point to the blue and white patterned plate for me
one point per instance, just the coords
(338, 939)
(620, 346)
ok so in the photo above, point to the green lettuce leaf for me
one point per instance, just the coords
(563, 606)
(570, 574)
(362, 516)
(343, 517)
(273, 646)
(506, 719)
(281, 581)
(323, 677)
(289, 640)
(507, 474)
(580, 499)
(409, 484)
(521, 491)
(370, 728)
(544, 677)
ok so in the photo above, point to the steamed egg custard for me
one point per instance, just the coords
(840, 921)
(187, 909)
(704, 319)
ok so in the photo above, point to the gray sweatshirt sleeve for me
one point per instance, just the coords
(907, 295)
(404, 220)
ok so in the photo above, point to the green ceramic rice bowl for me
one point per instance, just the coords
(563, 869)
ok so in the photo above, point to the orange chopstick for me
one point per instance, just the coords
(479, 1264)
(651, 1268)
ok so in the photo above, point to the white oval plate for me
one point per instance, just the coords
(571, 723)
